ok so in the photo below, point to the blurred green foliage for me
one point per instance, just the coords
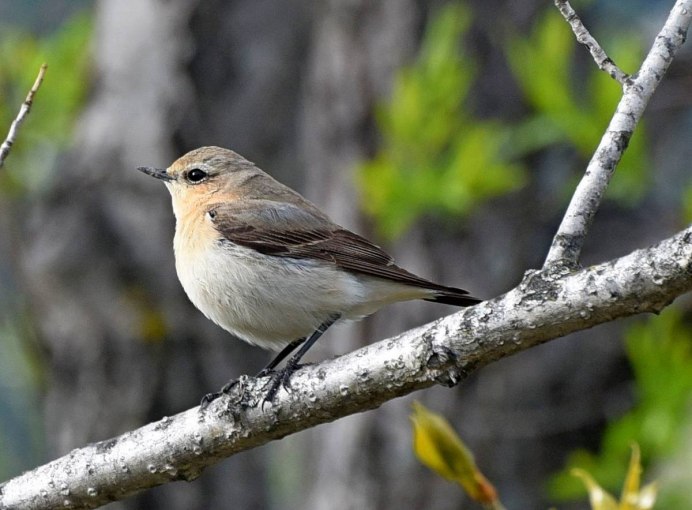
(435, 157)
(572, 109)
(660, 353)
(27, 171)
(48, 128)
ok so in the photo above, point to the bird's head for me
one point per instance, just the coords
(209, 175)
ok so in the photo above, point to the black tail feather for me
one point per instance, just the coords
(456, 297)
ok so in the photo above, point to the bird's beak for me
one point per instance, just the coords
(156, 172)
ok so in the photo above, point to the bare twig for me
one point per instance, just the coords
(604, 62)
(544, 306)
(23, 112)
(569, 239)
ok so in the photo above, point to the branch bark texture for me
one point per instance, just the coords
(545, 305)
(569, 239)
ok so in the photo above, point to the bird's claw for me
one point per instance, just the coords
(279, 378)
(210, 397)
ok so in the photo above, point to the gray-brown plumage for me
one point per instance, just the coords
(285, 230)
(267, 265)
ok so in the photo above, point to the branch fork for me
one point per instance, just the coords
(637, 91)
(603, 61)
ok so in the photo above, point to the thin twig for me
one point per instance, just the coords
(603, 61)
(23, 112)
(569, 239)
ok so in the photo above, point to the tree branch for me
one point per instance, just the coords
(545, 305)
(569, 239)
(603, 61)
(23, 112)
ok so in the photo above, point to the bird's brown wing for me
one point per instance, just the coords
(284, 230)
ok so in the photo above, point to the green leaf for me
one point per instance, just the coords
(660, 353)
(435, 157)
(566, 114)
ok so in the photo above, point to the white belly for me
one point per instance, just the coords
(269, 301)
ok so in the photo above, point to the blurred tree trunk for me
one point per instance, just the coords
(291, 85)
(124, 344)
(357, 46)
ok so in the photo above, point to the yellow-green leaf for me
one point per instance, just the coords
(632, 497)
(599, 498)
(438, 446)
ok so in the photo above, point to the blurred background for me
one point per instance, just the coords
(451, 132)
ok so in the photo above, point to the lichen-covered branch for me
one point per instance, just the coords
(23, 112)
(569, 239)
(545, 305)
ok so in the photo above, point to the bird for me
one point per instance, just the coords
(268, 266)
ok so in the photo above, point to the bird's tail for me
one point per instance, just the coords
(454, 296)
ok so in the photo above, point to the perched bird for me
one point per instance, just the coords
(268, 266)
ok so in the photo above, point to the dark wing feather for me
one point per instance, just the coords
(284, 230)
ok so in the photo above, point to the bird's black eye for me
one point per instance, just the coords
(196, 175)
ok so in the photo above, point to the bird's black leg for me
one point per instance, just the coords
(281, 377)
(280, 357)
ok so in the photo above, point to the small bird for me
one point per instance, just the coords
(265, 264)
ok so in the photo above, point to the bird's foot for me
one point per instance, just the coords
(277, 379)
(265, 372)
(210, 397)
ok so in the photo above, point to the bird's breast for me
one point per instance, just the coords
(268, 301)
